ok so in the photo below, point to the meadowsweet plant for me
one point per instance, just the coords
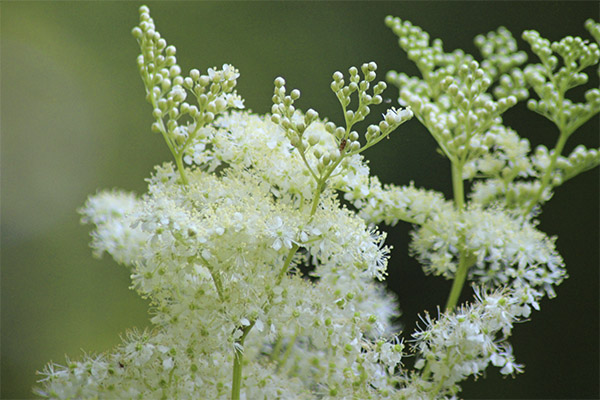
(263, 285)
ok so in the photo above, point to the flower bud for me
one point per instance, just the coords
(311, 114)
(330, 127)
(279, 82)
(204, 80)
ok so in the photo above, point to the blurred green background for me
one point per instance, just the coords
(74, 120)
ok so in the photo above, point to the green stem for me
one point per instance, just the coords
(238, 359)
(458, 186)
(288, 351)
(277, 349)
(560, 144)
(465, 260)
(286, 264)
(217, 282)
(308, 165)
(560, 120)
(459, 281)
(236, 385)
(179, 163)
(316, 199)
(463, 263)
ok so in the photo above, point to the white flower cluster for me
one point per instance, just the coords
(390, 203)
(503, 249)
(111, 213)
(263, 285)
(464, 343)
(220, 253)
(509, 168)
(508, 156)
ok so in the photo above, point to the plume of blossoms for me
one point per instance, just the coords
(219, 254)
(465, 342)
(222, 241)
(491, 240)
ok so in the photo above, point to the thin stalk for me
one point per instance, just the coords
(458, 186)
(288, 351)
(463, 263)
(218, 283)
(286, 263)
(316, 199)
(465, 260)
(236, 384)
(238, 359)
(459, 281)
(560, 144)
(277, 349)
(179, 163)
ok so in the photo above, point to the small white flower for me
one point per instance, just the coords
(167, 363)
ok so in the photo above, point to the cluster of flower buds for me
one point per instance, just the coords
(344, 92)
(501, 60)
(512, 84)
(347, 140)
(593, 28)
(452, 99)
(468, 93)
(551, 82)
(580, 160)
(214, 91)
(284, 114)
(459, 118)
(433, 63)
(393, 118)
(167, 90)
(499, 51)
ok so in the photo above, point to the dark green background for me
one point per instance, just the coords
(74, 120)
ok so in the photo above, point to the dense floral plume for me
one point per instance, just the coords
(264, 285)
